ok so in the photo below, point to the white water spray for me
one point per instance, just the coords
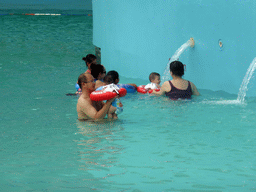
(246, 80)
(243, 88)
(175, 57)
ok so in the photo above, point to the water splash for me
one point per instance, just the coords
(246, 80)
(243, 88)
(224, 102)
(175, 57)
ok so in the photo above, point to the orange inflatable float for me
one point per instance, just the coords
(141, 89)
(107, 92)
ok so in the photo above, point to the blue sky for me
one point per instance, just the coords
(60, 4)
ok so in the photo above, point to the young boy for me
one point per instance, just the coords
(113, 77)
(155, 81)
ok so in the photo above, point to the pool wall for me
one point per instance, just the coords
(138, 37)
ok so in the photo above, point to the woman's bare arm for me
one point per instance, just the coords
(163, 89)
(194, 90)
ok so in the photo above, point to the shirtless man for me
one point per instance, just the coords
(86, 108)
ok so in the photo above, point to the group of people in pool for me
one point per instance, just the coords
(96, 76)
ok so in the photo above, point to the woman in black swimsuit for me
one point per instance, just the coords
(177, 88)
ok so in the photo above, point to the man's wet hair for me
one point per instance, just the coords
(81, 79)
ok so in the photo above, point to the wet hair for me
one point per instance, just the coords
(114, 75)
(153, 75)
(177, 68)
(108, 79)
(97, 69)
(89, 58)
(81, 79)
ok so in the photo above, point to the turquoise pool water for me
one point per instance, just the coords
(206, 144)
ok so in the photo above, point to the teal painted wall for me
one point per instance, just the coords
(138, 37)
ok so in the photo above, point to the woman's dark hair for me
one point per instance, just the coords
(97, 69)
(114, 75)
(177, 68)
(89, 58)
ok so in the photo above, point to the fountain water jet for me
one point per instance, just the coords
(243, 88)
(246, 80)
(175, 57)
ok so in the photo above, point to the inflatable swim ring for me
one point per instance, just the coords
(107, 92)
(141, 89)
(115, 103)
(77, 87)
(129, 88)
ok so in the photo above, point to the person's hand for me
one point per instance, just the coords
(111, 100)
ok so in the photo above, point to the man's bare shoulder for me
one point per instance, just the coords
(84, 102)
(83, 105)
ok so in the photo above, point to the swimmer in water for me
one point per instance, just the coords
(88, 109)
(177, 88)
(113, 77)
(98, 72)
(155, 81)
(90, 59)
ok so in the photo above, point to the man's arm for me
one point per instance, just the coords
(91, 112)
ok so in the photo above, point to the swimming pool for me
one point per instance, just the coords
(156, 145)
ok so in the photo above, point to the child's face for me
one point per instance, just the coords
(157, 80)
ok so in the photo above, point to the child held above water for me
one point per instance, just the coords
(155, 81)
(113, 77)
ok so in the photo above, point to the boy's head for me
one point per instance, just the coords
(154, 78)
(108, 79)
(111, 77)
